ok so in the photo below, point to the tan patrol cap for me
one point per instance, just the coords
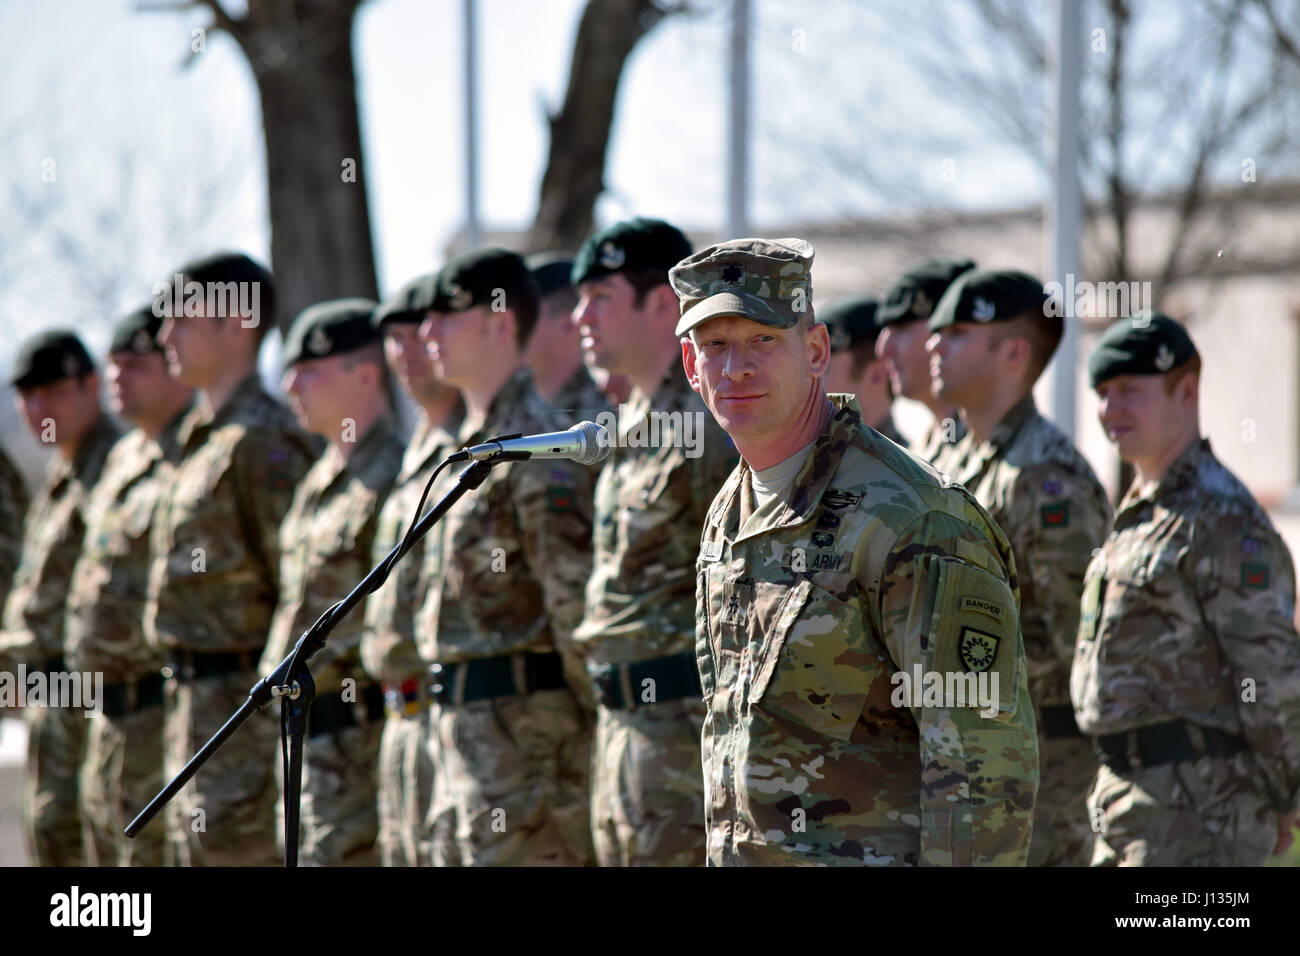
(767, 280)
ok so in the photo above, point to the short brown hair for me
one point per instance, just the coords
(1175, 375)
(1042, 332)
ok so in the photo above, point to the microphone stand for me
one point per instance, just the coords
(291, 681)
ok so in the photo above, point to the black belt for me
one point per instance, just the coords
(330, 713)
(197, 665)
(468, 681)
(1162, 744)
(53, 665)
(129, 697)
(623, 687)
(1058, 721)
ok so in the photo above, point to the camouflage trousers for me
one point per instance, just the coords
(510, 782)
(647, 788)
(405, 790)
(224, 815)
(56, 743)
(1212, 811)
(121, 774)
(339, 823)
(1063, 834)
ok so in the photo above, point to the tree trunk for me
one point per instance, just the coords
(301, 56)
(575, 166)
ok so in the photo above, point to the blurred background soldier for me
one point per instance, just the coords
(651, 498)
(215, 574)
(13, 508)
(124, 756)
(510, 740)
(902, 318)
(831, 563)
(388, 648)
(553, 355)
(58, 394)
(1187, 667)
(337, 385)
(854, 368)
(992, 338)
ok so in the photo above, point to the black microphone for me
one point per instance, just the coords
(586, 443)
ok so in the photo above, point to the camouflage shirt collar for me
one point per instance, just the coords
(840, 431)
(200, 417)
(1180, 474)
(94, 446)
(169, 439)
(1019, 415)
(515, 394)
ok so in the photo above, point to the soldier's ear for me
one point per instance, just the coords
(689, 363)
(818, 342)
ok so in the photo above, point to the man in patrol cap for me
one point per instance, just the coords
(388, 648)
(337, 384)
(855, 369)
(554, 354)
(215, 571)
(1187, 667)
(992, 336)
(58, 394)
(104, 631)
(857, 630)
(669, 460)
(509, 733)
(903, 333)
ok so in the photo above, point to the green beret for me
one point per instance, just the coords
(552, 271)
(48, 357)
(330, 328)
(474, 278)
(634, 245)
(137, 332)
(767, 280)
(409, 303)
(920, 288)
(989, 295)
(225, 267)
(1149, 343)
(851, 322)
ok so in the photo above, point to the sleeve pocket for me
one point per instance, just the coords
(975, 630)
(808, 671)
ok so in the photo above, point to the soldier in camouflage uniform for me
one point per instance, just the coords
(854, 368)
(123, 766)
(388, 649)
(337, 383)
(1187, 666)
(992, 337)
(835, 568)
(215, 571)
(509, 735)
(58, 390)
(13, 508)
(903, 333)
(553, 355)
(668, 461)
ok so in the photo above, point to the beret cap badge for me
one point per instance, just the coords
(612, 256)
(921, 304)
(141, 342)
(982, 310)
(458, 297)
(1164, 358)
(318, 342)
(70, 366)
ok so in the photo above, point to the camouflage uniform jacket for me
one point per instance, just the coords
(325, 547)
(1191, 598)
(388, 640)
(936, 450)
(508, 564)
(1049, 503)
(890, 431)
(52, 536)
(651, 502)
(13, 506)
(875, 565)
(111, 581)
(214, 548)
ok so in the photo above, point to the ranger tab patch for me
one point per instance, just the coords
(841, 500)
